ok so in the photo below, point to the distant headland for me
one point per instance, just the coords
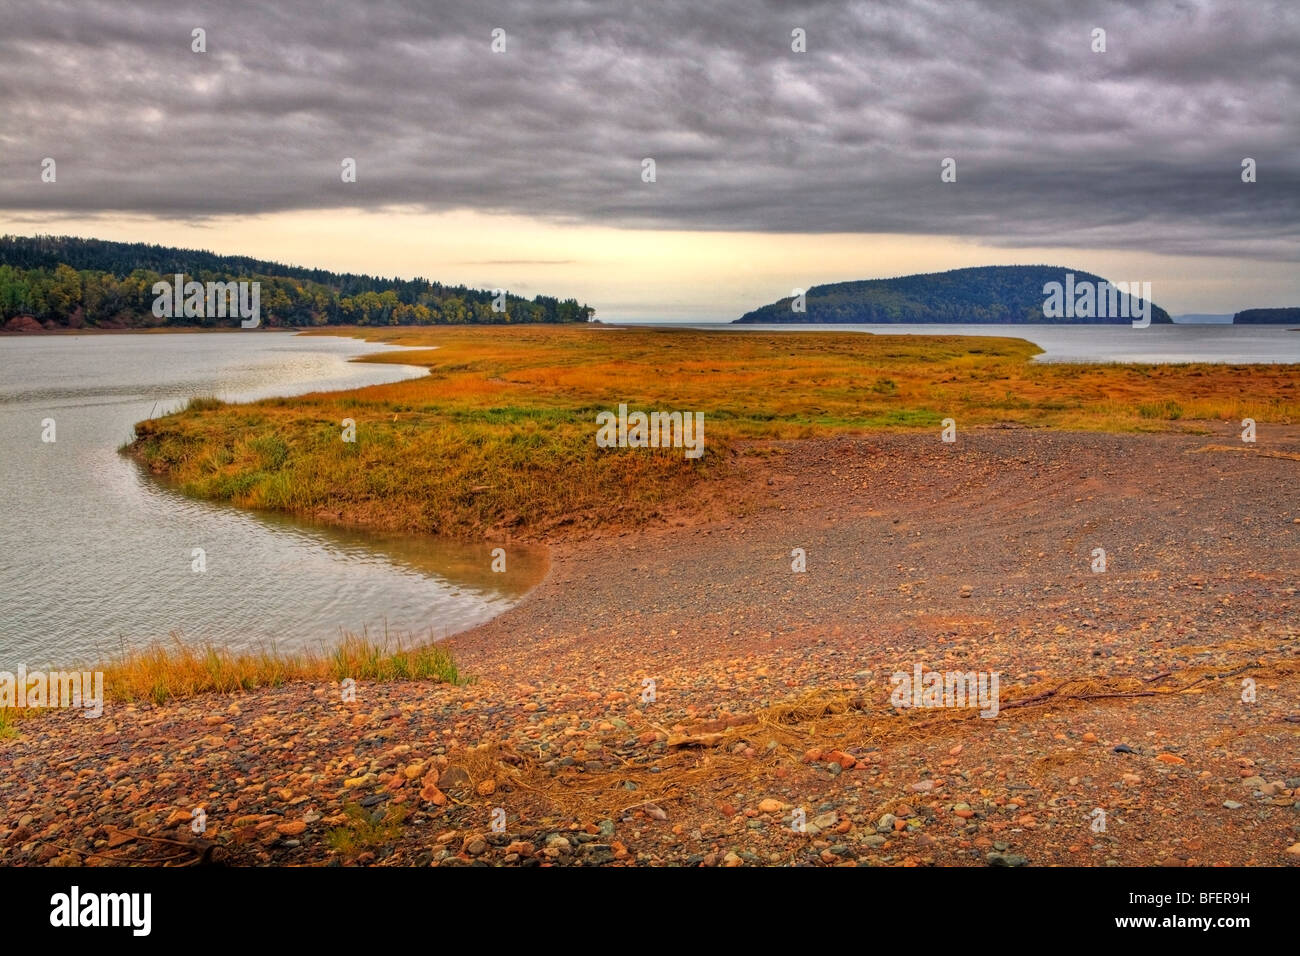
(986, 294)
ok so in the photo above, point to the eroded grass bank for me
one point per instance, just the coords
(500, 435)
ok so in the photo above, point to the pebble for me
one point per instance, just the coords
(452, 778)
(282, 754)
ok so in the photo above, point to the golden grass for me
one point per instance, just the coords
(165, 672)
(500, 436)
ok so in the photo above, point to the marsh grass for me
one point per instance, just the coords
(499, 436)
(165, 672)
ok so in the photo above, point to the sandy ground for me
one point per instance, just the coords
(1149, 714)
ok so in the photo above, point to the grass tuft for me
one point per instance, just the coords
(161, 673)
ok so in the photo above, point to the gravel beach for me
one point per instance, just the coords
(680, 695)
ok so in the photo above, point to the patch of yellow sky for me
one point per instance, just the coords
(635, 273)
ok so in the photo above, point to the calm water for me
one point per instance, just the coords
(1162, 344)
(95, 554)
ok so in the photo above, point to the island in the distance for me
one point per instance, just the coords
(1289, 316)
(985, 294)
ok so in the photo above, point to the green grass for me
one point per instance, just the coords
(362, 832)
(1167, 410)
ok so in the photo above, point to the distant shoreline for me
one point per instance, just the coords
(160, 330)
(732, 325)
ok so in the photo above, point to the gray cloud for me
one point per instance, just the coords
(1139, 147)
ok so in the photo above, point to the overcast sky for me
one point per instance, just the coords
(1126, 162)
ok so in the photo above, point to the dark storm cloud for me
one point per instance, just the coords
(1137, 147)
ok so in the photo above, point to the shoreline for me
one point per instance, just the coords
(159, 330)
(765, 678)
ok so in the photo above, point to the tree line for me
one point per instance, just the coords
(61, 281)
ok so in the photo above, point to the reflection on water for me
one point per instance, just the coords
(462, 564)
(96, 555)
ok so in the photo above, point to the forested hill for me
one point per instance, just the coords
(1010, 294)
(1289, 316)
(57, 281)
